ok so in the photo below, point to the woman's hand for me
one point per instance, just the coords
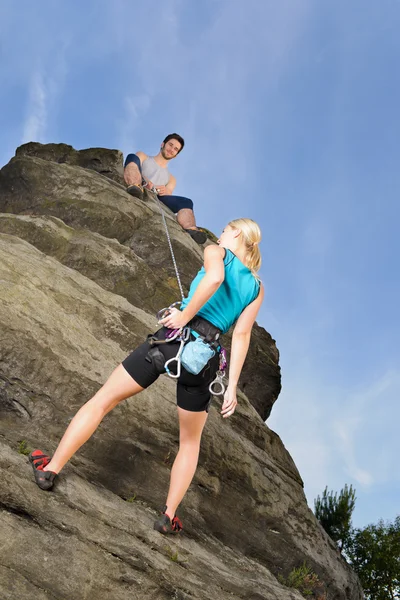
(230, 402)
(174, 320)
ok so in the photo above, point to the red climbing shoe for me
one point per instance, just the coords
(39, 460)
(165, 525)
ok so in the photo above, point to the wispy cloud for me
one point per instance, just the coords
(365, 430)
(347, 432)
(150, 58)
(134, 113)
(36, 120)
(339, 436)
(44, 92)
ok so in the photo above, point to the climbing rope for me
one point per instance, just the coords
(170, 246)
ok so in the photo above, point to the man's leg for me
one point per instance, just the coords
(133, 170)
(183, 208)
(185, 218)
(133, 176)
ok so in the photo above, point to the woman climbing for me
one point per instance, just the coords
(226, 290)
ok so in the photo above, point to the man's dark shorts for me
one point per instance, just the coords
(192, 390)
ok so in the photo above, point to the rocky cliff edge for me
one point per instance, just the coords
(83, 268)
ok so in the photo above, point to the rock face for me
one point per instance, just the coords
(83, 268)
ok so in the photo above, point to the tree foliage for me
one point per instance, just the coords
(374, 553)
(334, 513)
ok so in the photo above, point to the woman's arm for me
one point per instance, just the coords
(215, 273)
(240, 345)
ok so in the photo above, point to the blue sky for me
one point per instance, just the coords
(290, 112)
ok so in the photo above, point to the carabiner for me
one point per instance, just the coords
(218, 381)
(172, 335)
(223, 361)
(183, 338)
(165, 311)
(176, 359)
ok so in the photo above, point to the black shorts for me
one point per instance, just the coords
(192, 390)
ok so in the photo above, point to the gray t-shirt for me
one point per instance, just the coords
(151, 171)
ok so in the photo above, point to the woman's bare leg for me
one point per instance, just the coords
(119, 386)
(191, 425)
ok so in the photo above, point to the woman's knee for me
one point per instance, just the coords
(102, 404)
(189, 445)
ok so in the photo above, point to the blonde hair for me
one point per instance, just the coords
(250, 234)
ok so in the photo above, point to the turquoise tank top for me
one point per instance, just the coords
(237, 291)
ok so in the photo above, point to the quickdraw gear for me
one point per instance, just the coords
(183, 337)
(219, 377)
(218, 381)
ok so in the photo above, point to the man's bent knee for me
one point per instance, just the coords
(186, 218)
(187, 203)
(133, 158)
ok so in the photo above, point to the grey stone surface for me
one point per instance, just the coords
(108, 163)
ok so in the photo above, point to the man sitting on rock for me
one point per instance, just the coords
(152, 172)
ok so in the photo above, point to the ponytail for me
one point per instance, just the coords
(250, 234)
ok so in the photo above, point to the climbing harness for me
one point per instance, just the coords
(192, 355)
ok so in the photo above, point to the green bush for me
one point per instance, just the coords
(305, 581)
(23, 448)
(131, 498)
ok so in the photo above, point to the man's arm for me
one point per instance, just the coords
(171, 185)
(142, 156)
(167, 190)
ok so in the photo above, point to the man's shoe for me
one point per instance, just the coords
(165, 525)
(44, 479)
(197, 235)
(135, 190)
